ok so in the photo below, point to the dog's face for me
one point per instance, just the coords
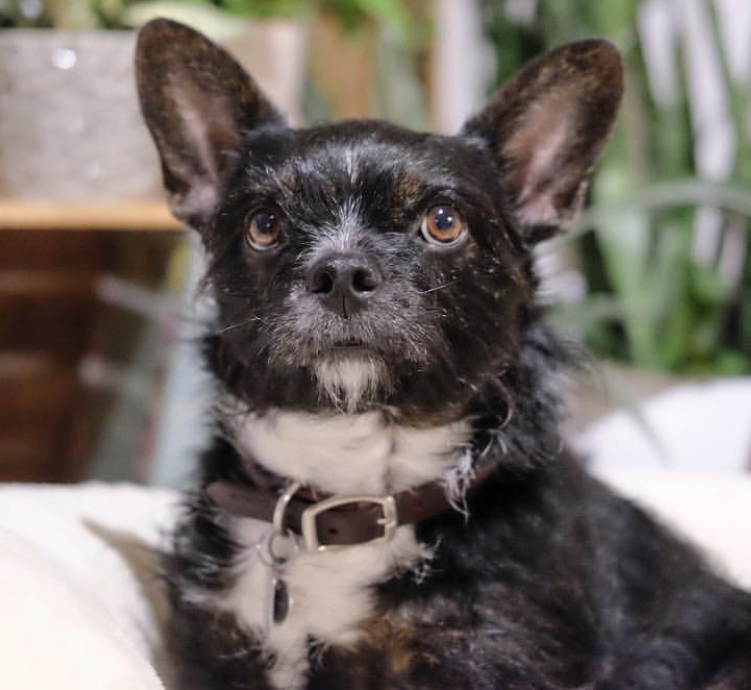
(360, 264)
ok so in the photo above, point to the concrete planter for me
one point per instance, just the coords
(70, 127)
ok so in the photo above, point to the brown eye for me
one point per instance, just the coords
(442, 225)
(264, 229)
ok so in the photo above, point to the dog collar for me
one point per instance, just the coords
(335, 521)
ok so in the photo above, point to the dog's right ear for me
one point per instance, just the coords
(197, 102)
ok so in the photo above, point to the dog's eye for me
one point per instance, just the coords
(442, 225)
(264, 229)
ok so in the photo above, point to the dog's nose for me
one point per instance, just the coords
(344, 282)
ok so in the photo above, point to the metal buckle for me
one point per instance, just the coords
(310, 529)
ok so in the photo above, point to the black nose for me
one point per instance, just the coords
(344, 282)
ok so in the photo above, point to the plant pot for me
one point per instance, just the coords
(70, 126)
(273, 51)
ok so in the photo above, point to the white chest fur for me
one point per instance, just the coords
(331, 590)
(348, 454)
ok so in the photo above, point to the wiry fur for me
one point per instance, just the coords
(347, 382)
(540, 579)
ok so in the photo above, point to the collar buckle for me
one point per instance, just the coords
(388, 520)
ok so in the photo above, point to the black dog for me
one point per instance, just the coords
(388, 503)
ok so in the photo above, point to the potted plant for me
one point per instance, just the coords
(309, 46)
(69, 122)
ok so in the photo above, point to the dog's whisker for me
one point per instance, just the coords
(240, 324)
(437, 288)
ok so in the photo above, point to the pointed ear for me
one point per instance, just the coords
(197, 102)
(547, 126)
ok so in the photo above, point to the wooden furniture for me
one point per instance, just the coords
(40, 215)
(52, 258)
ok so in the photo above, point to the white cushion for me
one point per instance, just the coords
(703, 426)
(81, 606)
(55, 635)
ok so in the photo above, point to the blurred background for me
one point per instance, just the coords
(99, 305)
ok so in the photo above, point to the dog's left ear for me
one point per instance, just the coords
(546, 127)
(197, 102)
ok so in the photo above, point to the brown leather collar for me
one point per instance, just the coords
(337, 520)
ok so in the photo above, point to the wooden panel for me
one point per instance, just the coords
(32, 283)
(57, 324)
(35, 431)
(53, 250)
(39, 215)
(52, 316)
(27, 459)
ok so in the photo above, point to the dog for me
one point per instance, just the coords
(387, 502)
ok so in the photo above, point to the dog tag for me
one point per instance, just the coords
(275, 551)
(281, 602)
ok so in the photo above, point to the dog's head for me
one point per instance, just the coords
(361, 264)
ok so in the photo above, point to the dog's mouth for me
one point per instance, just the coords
(350, 347)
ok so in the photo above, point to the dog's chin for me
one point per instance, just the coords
(352, 377)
